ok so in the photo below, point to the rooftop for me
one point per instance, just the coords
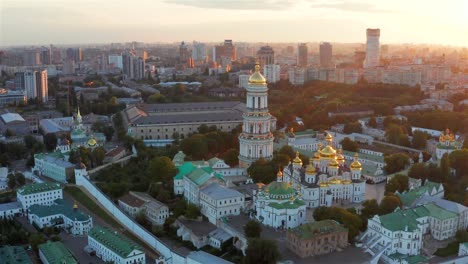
(409, 197)
(131, 200)
(12, 117)
(9, 206)
(312, 230)
(14, 255)
(287, 205)
(56, 158)
(189, 118)
(218, 192)
(38, 188)
(57, 253)
(59, 207)
(203, 257)
(407, 219)
(198, 228)
(122, 246)
(199, 106)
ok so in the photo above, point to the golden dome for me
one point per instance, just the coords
(310, 168)
(329, 137)
(328, 152)
(279, 174)
(339, 156)
(356, 164)
(92, 142)
(257, 77)
(78, 114)
(333, 163)
(317, 156)
(335, 181)
(75, 206)
(297, 160)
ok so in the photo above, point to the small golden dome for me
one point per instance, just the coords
(333, 163)
(339, 156)
(75, 206)
(317, 156)
(297, 160)
(329, 137)
(310, 168)
(92, 142)
(356, 164)
(257, 77)
(328, 152)
(279, 174)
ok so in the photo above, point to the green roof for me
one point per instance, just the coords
(399, 221)
(311, 230)
(409, 197)
(60, 207)
(57, 253)
(14, 255)
(197, 171)
(287, 205)
(365, 156)
(439, 212)
(415, 259)
(55, 154)
(121, 245)
(280, 190)
(402, 219)
(38, 188)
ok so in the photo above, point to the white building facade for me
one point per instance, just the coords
(217, 201)
(112, 247)
(256, 139)
(271, 73)
(39, 193)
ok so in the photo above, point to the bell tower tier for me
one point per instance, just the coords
(256, 139)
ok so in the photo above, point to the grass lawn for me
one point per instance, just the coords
(82, 198)
(450, 249)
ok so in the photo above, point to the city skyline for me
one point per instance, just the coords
(75, 22)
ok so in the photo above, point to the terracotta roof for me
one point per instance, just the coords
(114, 152)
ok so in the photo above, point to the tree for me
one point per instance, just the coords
(262, 171)
(459, 161)
(11, 181)
(203, 129)
(231, 157)
(20, 179)
(348, 218)
(192, 211)
(353, 127)
(396, 162)
(371, 208)
(349, 145)
(161, 169)
(98, 154)
(418, 171)
(389, 204)
(372, 122)
(262, 251)
(252, 229)
(9, 133)
(36, 239)
(156, 98)
(398, 183)
(419, 139)
(287, 150)
(444, 168)
(395, 135)
(50, 141)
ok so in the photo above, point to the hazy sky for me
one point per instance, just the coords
(28, 22)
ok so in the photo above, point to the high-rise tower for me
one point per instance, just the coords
(256, 139)
(302, 53)
(326, 54)
(372, 48)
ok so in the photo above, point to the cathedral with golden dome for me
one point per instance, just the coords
(327, 179)
(79, 136)
(447, 144)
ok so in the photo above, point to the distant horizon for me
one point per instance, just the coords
(69, 22)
